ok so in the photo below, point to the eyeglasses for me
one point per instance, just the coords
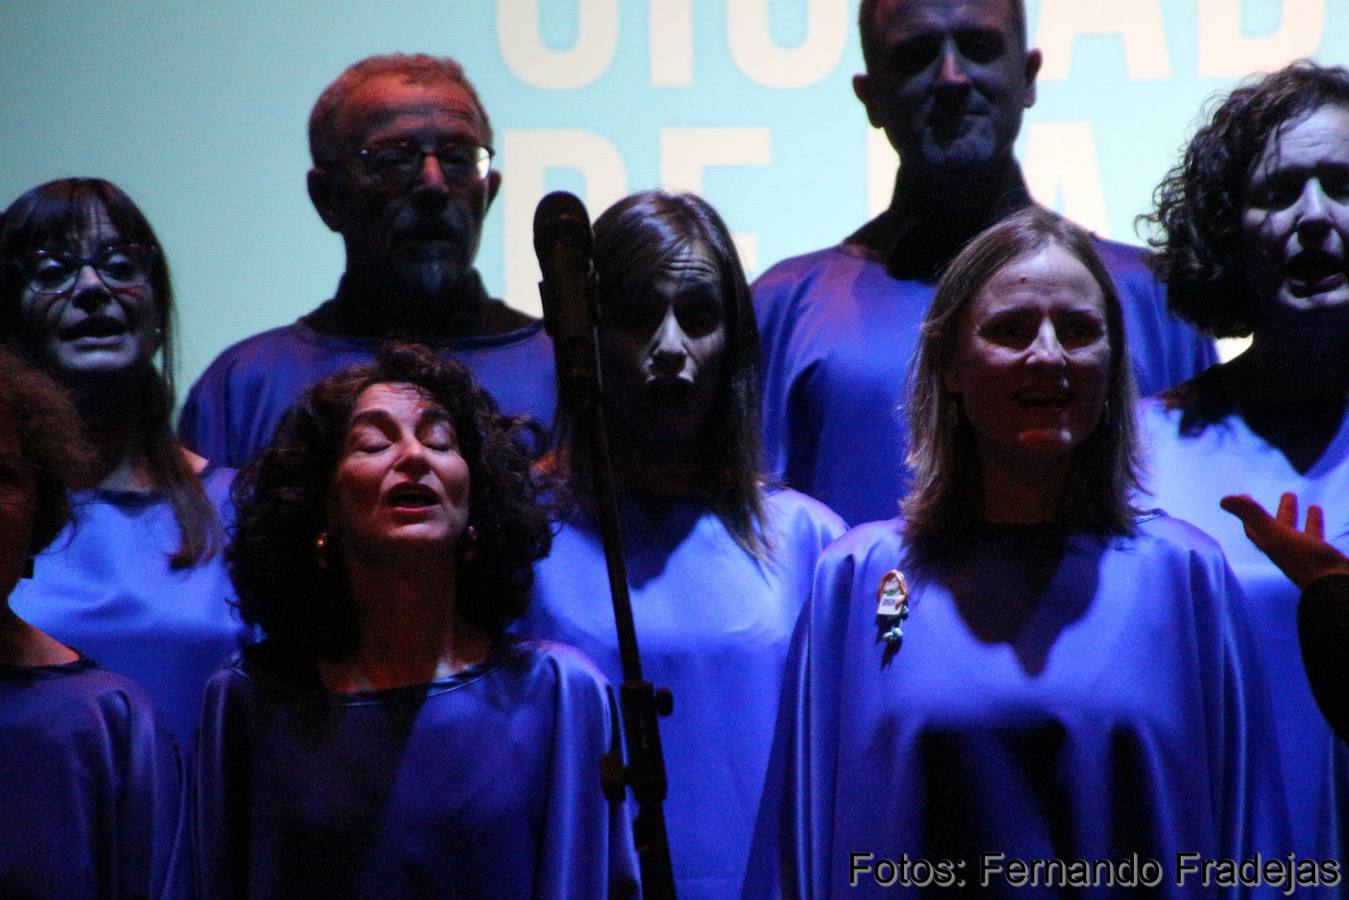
(399, 162)
(118, 266)
(16, 481)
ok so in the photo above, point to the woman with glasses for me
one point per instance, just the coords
(718, 564)
(1023, 674)
(138, 584)
(90, 783)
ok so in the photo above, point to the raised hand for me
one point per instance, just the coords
(1303, 556)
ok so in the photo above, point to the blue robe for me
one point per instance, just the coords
(1187, 476)
(91, 794)
(1093, 703)
(712, 625)
(838, 333)
(484, 784)
(107, 590)
(233, 409)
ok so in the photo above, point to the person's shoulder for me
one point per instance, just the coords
(259, 351)
(565, 663)
(791, 507)
(1186, 409)
(1129, 264)
(97, 714)
(90, 679)
(850, 569)
(504, 327)
(870, 539)
(108, 697)
(1167, 551)
(801, 289)
(1119, 252)
(797, 271)
(1166, 534)
(503, 318)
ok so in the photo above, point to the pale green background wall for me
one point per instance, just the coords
(199, 109)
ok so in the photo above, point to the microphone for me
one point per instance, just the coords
(562, 242)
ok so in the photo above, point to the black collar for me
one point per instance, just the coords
(358, 312)
(916, 240)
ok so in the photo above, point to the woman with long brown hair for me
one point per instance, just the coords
(1023, 666)
(138, 584)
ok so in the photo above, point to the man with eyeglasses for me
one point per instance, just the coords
(403, 172)
(948, 81)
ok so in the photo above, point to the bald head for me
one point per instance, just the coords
(326, 141)
(1014, 12)
(948, 81)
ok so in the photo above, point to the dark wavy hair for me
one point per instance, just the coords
(946, 499)
(1199, 205)
(283, 497)
(638, 236)
(50, 214)
(50, 441)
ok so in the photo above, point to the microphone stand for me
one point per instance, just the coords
(578, 376)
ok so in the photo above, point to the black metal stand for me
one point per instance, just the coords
(578, 376)
(642, 704)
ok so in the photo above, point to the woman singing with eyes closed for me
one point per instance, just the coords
(387, 739)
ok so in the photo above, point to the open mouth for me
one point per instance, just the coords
(1314, 272)
(1041, 399)
(668, 391)
(94, 327)
(411, 496)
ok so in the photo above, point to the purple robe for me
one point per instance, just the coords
(1187, 474)
(233, 409)
(483, 784)
(91, 789)
(105, 587)
(713, 625)
(1053, 697)
(838, 333)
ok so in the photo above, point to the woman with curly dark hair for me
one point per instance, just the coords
(719, 565)
(1255, 241)
(386, 738)
(139, 584)
(85, 764)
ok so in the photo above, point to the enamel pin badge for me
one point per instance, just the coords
(892, 605)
